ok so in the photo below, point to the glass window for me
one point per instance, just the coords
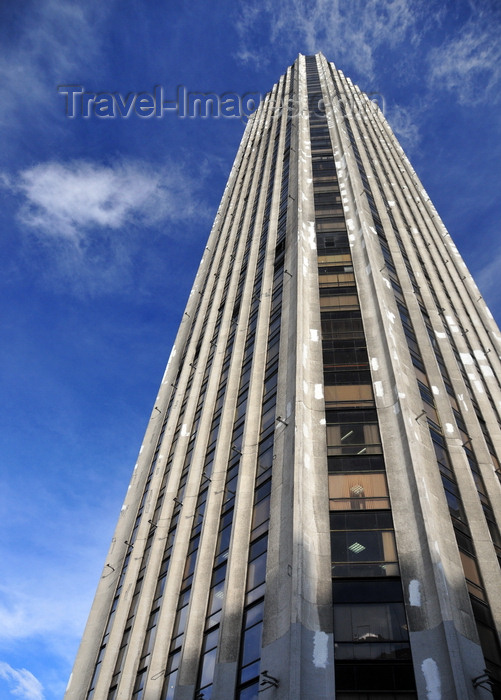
(331, 223)
(230, 489)
(453, 499)
(265, 458)
(160, 586)
(209, 463)
(367, 591)
(360, 520)
(169, 686)
(256, 572)
(333, 278)
(250, 692)
(189, 567)
(241, 408)
(223, 542)
(347, 395)
(368, 623)
(213, 434)
(347, 354)
(375, 651)
(358, 491)
(339, 301)
(209, 658)
(472, 575)
(347, 375)
(268, 413)
(250, 651)
(363, 553)
(252, 644)
(139, 684)
(363, 546)
(180, 621)
(216, 598)
(341, 325)
(353, 437)
(261, 513)
(208, 665)
(376, 679)
(354, 463)
(271, 382)
(431, 414)
(262, 491)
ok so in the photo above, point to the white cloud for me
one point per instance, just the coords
(83, 223)
(351, 31)
(67, 199)
(24, 614)
(404, 124)
(54, 40)
(487, 279)
(247, 56)
(24, 684)
(47, 590)
(469, 64)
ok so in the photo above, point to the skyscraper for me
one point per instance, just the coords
(315, 509)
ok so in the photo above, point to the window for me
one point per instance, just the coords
(216, 595)
(363, 544)
(363, 463)
(349, 354)
(261, 512)
(358, 553)
(378, 680)
(331, 299)
(332, 276)
(170, 681)
(181, 617)
(149, 639)
(472, 575)
(256, 572)
(137, 692)
(347, 395)
(250, 652)
(487, 634)
(352, 432)
(342, 324)
(332, 223)
(370, 623)
(453, 499)
(250, 692)
(191, 558)
(208, 662)
(268, 413)
(358, 491)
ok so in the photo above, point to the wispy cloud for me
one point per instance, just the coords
(487, 279)
(85, 216)
(67, 199)
(54, 39)
(352, 31)
(469, 64)
(39, 585)
(23, 683)
(404, 123)
(25, 614)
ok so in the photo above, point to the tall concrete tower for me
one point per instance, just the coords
(314, 514)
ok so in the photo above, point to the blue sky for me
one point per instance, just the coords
(104, 221)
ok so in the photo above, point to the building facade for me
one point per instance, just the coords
(315, 509)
